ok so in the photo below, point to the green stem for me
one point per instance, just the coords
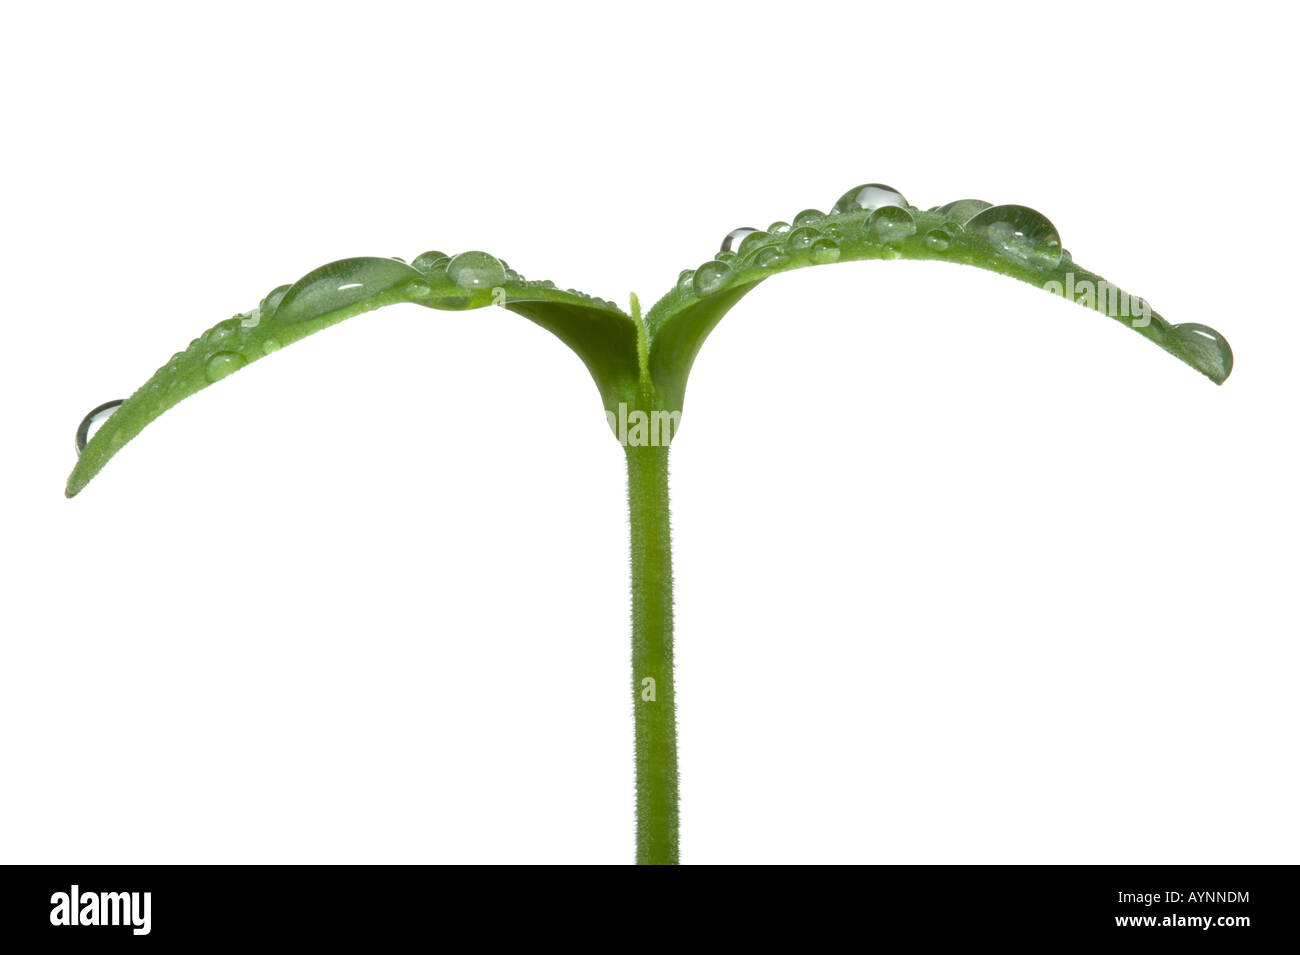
(652, 656)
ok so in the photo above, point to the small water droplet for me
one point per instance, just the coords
(222, 330)
(732, 240)
(270, 345)
(809, 215)
(431, 261)
(891, 252)
(779, 228)
(725, 256)
(802, 238)
(94, 421)
(867, 197)
(825, 250)
(891, 223)
(476, 270)
(223, 363)
(962, 210)
(1019, 232)
(768, 257)
(938, 239)
(339, 285)
(710, 276)
(1208, 350)
(686, 280)
(418, 289)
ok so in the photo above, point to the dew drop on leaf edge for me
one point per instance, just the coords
(710, 277)
(891, 223)
(476, 270)
(1019, 233)
(223, 363)
(868, 197)
(732, 240)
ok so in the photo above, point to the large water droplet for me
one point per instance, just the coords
(809, 215)
(779, 228)
(710, 276)
(431, 261)
(732, 240)
(961, 210)
(1208, 349)
(94, 421)
(271, 302)
(223, 363)
(891, 224)
(1020, 233)
(871, 196)
(476, 270)
(686, 280)
(340, 285)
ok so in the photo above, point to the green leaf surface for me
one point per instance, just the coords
(874, 221)
(602, 334)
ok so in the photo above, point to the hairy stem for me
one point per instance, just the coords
(652, 656)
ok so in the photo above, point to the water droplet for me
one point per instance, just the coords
(809, 215)
(1208, 350)
(825, 250)
(222, 330)
(223, 363)
(871, 196)
(938, 239)
(732, 240)
(725, 256)
(94, 421)
(768, 257)
(340, 285)
(891, 252)
(431, 261)
(476, 270)
(779, 228)
(272, 301)
(710, 276)
(418, 289)
(754, 240)
(962, 210)
(686, 280)
(269, 346)
(891, 223)
(1020, 233)
(802, 238)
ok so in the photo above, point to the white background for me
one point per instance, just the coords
(966, 573)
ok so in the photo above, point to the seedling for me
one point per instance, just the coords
(640, 364)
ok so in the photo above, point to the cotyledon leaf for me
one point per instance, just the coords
(636, 361)
(603, 335)
(874, 221)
